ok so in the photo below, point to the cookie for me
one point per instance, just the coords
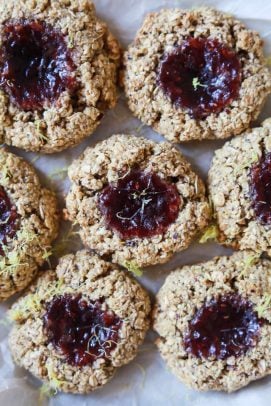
(28, 223)
(77, 325)
(136, 200)
(58, 73)
(195, 74)
(239, 185)
(214, 319)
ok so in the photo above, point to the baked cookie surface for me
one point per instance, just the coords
(136, 200)
(239, 186)
(28, 223)
(213, 320)
(77, 325)
(58, 68)
(195, 74)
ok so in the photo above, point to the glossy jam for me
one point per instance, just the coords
(141, 204)
(35, 64)
(82, 331)
(223, 327)
(9, 219)
(260, 189)
(201, 75)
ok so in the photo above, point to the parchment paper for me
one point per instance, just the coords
(146, 381)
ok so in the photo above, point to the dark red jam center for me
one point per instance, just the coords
(35, 64)
(260, 189)
(82, 330)
(201, 75)
(9, 219)
(141, 204)
(223, 327)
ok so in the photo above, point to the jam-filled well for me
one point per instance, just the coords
(141, 204)
(260, 189)
(36, 65)
(201, 75)
(9, 219)
(80, 329)
(223, 327)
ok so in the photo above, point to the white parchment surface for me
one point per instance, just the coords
(146, 381)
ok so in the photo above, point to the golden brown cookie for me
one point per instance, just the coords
(214, 319)
(239, 185)
(58, 68)
(77, 325)
(28, 223)
(136, 200)
(196, 74)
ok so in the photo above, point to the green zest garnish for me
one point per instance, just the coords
(133, 267)
(32, 303)
(52, 387)
(40, 127)
(5, 174)
(71, 41)
(196, 83)
(247, 164)
(249, 261)
(266, 305)
(211, 233)
(14, 258)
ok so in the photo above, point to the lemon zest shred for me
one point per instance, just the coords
(32, 302)
(245, 165)
(13, 259)
(41, 135)
(211, 233)
(28, 304)
(133, 267)
(6, 175)
(51, 388)
(196, 83)
(70, 41)
(266, 305)
(249, 261)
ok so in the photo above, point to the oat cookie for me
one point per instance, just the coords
(28, 223)
(136, 200)
(196, 74)
(77, 325)
(239, 185)
(58, 72)
(214, 319)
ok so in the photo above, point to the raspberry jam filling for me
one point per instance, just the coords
(260, 189)
(82, 330)
(223, 327)
(201, 75)
(141, 204)
(35, 64)
(9, 219)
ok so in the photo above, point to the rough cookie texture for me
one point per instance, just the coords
(37, 224)
(185, 291)
(160, 33)
(95, 54)
(107, 162)
(94, 278)
(229, 182)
